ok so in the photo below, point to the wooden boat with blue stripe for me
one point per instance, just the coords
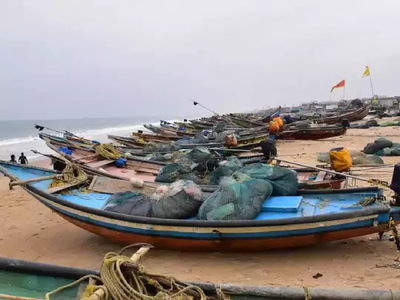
(310, 218)
(29, 280)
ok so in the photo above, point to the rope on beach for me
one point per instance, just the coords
(307, 295)
(122, 278)
(107, 151)
(70, 175)
(396, 238)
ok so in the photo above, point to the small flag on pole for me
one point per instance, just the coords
(366, 72)
(339, 85)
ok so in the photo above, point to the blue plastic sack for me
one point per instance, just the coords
(65, 150)
(120, 163)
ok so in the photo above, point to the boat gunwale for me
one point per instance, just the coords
(205, 223)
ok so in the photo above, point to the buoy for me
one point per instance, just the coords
(136, 182)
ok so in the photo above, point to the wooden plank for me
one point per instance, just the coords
(57, 189)
(321, 176)
(111, 186)
(101, 163)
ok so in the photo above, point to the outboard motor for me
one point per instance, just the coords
(395, 185)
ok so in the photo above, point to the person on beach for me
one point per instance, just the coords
(22, 159)
(13, 159)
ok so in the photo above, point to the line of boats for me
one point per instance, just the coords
(321, 211)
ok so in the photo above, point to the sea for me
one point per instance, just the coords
(22, 136)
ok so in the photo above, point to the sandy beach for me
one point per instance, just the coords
(30, 231)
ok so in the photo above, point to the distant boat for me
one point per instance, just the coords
(312, 217)
(316, 133)
(352, 116)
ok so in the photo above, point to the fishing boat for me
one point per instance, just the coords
(89, 160)
(311, 217)
(317, 133)
(352, 116)
(161, 137)
(198, 124)
(22, 279)
(128, 141)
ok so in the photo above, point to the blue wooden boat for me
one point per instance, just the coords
(24, 280)
(309, 218)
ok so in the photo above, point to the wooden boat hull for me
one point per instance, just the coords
(292, 230)
(221, 239)
(311, 134)
(31, 279)
(352, 116)
(156, 137)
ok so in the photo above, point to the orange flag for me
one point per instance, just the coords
(339, 85)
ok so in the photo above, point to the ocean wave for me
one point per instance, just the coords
(15, 141)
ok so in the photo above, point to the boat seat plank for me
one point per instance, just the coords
(321, 176)
(101, 163)
(282, 204)
(57, 189)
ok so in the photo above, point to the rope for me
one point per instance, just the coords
(396, 238)
(123, 278)
(71, 174)
(307, 295)
(107, 151)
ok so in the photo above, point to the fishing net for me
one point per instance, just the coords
(226, 169)
(379, 144)
(283, 180)
(180, 200)
(392, 151)
(130, 203)
(199, 155)
(236, 200)
(161, 147)
(176, 171)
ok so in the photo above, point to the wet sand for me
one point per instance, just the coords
(29, 230)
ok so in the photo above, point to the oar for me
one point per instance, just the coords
(20, 182)
(197, 103)
(376, 181)
(40, 128)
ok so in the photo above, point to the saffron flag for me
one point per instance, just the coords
(339, 85)
(366, 72)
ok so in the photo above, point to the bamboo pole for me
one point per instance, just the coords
(332, 172)
(20, 182)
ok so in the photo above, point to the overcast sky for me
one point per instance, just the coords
(95, 58)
